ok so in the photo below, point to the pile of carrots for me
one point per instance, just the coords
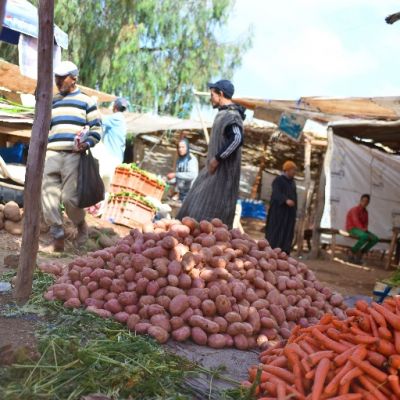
(353, 359)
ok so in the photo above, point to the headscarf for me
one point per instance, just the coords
(288, 165)
(183, 160)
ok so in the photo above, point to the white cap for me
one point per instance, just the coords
(66, 68)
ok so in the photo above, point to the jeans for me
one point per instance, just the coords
(366, 240)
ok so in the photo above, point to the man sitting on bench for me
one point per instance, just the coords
(357, 226)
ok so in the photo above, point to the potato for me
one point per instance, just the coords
(141, 286)
(232, 317)
(172, 291)
(12, 212)
(173, 280)
(150, 274)
(181, 334)
(127, 298)
(223, 304)
(146, 300)
(143, 327)
(144, 311)
(93, 286)
(174, 268)
(185, 281)
(223, 324)
(194, 302)
(14, 228)
(105, 282)
(133, 309)
(162, 321)
(179, 304)
(100, 312)
(83, 293)
(113, 306)
(161, 266)
(158, 333)
(208, 308)
(278, 313)
(214, 290)
(206, 227)
(208, 241)
(241, 342)
(190, 223)
(118, 286)
(181, 230)
(94, 303)
(204, 323)
(240, 328)
(199, 336)
(163, 301)
(152, 288)
(176, 323)
(64, 291)
(121, 317)
(188, 261)
(98, 294)
(216, 341)
(72, 303)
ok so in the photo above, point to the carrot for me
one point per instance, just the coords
(369, 369)
(315, 358)
(252, 371)
(376, 359)
(279, 372)
(385, 333)
(280, 391)
(364, 339)
(294, 361)
(340, 325)
(348, 396)
(385, 347)
(379, 319)
(333, 334)
(344, 389)
(365, 323)
(314, 343)
(352, 374)
(374, 328)
(392, 318)
(326, 319)
(394, 384)
(311, 374)
(280, 361)
(362, 305)
(394, 361)
(356, 330)
(320, 377)
(397, 341)
(307, 347)
(306, 366)
(341, 358)
(371, 388)
(327, 342)
(297, 349)
(269, 387)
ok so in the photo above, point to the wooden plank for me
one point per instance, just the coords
(36, 154)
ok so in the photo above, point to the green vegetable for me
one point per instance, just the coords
(132, 196)
(148, 175)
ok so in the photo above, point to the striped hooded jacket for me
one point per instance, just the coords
(70, 114)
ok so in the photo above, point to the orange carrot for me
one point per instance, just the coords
(365, 324)
(315, 358)
(376, 359)
(371, 387)
(352, 374)
(311, 374)
(394, 361)
(369, 369)
(297, 349)
(394, 384)
(280, 391)
(344, 389)
(385, 347)
(294, 362)
(326, 319)
(279, 372)
(348, 396)
(306, 366)
(269, 387)
(340, 359)
(392, 318)
(362, 305)
(364, 339)
(307, 347)
(374, 328)
(385, 333)
(314, 343)
(320, 377)
(397, 341)
(327, 342)
(280, 361)
(333, 334)
(379, 319)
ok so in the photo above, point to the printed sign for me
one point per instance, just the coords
(292, 124)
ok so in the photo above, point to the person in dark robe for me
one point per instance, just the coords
(215, 191)
(281, 216)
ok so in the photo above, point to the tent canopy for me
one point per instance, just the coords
(22, 17)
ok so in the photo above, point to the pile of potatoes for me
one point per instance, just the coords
(200, 281)
(11, 218)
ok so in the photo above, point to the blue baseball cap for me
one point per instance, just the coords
(225, 86)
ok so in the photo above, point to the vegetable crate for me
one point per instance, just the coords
(132, 181)
(382, 290)
(126, 211)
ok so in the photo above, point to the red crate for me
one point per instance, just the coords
(126, 211)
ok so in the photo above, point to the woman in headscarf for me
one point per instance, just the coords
(281, 218)
(187, 169)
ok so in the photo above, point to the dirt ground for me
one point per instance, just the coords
(348, 279)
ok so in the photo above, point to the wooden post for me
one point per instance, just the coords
(307, 194)
(197, 102)
(258, 180)
(36, 154)
(318, 214)
(2, 12)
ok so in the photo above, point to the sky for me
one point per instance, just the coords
(334, 48)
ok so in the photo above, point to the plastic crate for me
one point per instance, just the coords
(126, 211)
(132, 181)
(14, 154)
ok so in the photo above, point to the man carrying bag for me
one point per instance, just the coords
(75, 128)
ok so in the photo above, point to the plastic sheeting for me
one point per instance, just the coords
(351, 170)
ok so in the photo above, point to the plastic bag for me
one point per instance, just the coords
(90, 184)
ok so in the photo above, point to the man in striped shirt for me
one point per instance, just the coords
(75, 127)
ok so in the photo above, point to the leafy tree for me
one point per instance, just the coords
(151, 51)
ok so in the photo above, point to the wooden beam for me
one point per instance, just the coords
(36, 154)
(2, 12)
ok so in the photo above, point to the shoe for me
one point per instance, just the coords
(83, 234)
(55, 246)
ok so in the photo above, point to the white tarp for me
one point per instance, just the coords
(352, 170)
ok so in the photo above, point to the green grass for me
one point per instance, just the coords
(80, 353)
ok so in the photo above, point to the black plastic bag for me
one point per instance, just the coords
(90, 184)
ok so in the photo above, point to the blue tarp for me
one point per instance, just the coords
(22, 17)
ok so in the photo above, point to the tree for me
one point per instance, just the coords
(151, 51)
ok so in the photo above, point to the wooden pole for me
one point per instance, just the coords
(318, 214)
(307, 194)
(255, 190)
(197, 102)
(36, 154)
(2, 12)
